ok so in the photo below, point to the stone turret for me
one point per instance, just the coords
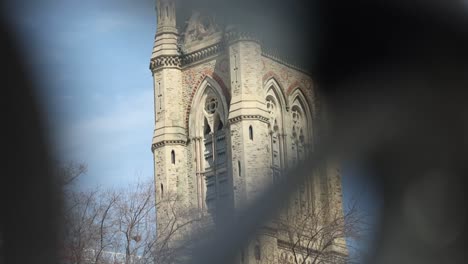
(166, 35)
(169, 138)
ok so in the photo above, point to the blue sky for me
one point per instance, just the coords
(92, 58)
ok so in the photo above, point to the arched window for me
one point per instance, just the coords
(162, 190)
(250, 133)
(299, 132)
(172, 157)
(207, 126)
(274, 105)
(300, 138)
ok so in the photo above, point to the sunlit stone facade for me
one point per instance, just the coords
(229, 118)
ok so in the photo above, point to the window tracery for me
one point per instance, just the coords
(208, 120)
(300, 133)
(275, 116)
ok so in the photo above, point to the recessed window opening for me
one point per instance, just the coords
(250, 132)
(162, 190)
(257, 252)
(173, 157)
(207, 128)
(239, 167)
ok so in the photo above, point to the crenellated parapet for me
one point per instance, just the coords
(203, 53)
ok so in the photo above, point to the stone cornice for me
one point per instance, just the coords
(248, 117)
(166, 30)
(166, 143)
(178, 61)
(202, 54)
(165, 61)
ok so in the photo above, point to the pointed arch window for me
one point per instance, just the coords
(299, 132)
(275, 112)
(208, 126)
(300, 137)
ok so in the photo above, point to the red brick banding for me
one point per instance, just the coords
(267, 76)
(296, 85)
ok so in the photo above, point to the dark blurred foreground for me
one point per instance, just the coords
(395, 76)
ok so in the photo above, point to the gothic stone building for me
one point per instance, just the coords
(229, 118)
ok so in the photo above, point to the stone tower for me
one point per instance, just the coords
(229, 118)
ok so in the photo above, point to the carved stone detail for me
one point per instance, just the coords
(248, 117)
(199, 26)
(168, 142)
(165, 61)
(203, 53)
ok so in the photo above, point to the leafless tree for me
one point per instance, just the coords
(141, 240)
(178, 233)
(88, 225)
(67, 173)
(318, 235)
(119, 226)
(88, 228)
(135, 219)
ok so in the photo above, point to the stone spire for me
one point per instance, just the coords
(165, 43)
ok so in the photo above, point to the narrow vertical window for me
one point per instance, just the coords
(257, 252)
(250, 132)
(173, 157)
(162, 190)
(239, 168)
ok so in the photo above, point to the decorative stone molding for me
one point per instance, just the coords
(197, 86)
(232, 36)
(203, 53)
(165, 30)
(165, 61)
(186, 59)
(248, 117)
(168, 142)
